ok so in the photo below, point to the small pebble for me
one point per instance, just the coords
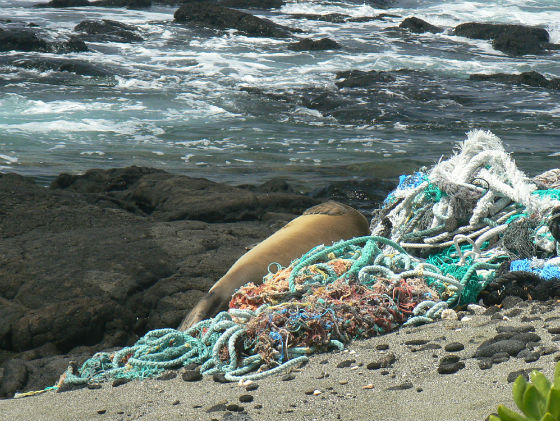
(252, 387)
(368, 386)
(309, 392)
(402, 386)
(93, 386)
(345, 363)
(317, 392)
(191, 375)
(258, 406)
(525, 373)
(218, 407)
(382, 362)
(419, 389)
(119, 382)
(246, 398)
(288, 377)
(233, 407)
(101, 411)
(454, 347)
(451, 368)
(449, 359)
(532, 357)
(382, 347)
(343, 382)
(219, 378)
(416, 342)
(175, 402)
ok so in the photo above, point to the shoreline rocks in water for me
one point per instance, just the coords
(219, 17)
(25, 39)
(419, 26)
(308, 44)
(98, 259)
(107, 30)
(526, 78)
(515, 40)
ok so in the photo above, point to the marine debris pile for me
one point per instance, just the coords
(472, 227)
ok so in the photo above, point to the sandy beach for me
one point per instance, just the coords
(342, 385)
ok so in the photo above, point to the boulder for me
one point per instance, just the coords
(419, 26)
(219, 17)
(308, 44)
(526, 78)
(23, 39)
(108, 30)
(510, 39)
(361, 79)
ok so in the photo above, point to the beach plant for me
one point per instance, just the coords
(539, 399)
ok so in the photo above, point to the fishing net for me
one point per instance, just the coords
(442, 239)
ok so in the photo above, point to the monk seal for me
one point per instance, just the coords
(322, 224)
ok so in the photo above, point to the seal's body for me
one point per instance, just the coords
(321, 224)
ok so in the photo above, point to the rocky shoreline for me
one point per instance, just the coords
(96, 260)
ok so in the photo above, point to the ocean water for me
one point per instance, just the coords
(241, 109)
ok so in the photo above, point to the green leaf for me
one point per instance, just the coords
(553, 402)
(533, 403)
(519, 387)
(507, 414)
(557, 376)
(494, 418)
(541, 383)
(548, 417)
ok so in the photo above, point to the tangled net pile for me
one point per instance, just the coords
(443, 238)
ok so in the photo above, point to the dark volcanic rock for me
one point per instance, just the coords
(98, 259)
(21, 40)
(491, 31)
(108, 30)
(64, 3)
(526, 78)
(130, 4)
(331, 17)
(419, 26)
(361, 79)
(219, 17)
(79, 67)
(308, 44)
(511, 39)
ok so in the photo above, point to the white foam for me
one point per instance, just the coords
(9, 159)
